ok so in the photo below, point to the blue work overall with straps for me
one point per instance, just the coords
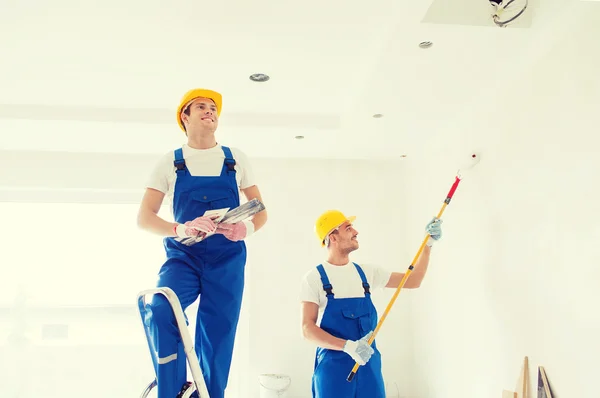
(348, 319)
(212, 268)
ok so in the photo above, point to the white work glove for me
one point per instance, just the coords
(197, 227)
(434, 229)
(359, 350)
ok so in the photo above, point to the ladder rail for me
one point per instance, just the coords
(148, 389)
(184, 332)
(142, 309)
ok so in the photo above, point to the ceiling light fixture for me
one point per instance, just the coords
(425, 44)
(259, 77)
(378, 115)
(299, 137)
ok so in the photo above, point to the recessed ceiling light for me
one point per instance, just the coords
(259, 77)
(425, 44)
(299, 137)
(378, 115)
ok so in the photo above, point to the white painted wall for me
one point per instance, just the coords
(270, 341)
(517, 272)
(514, 275)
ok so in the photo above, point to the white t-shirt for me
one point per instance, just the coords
(199, 162)
(345, 281)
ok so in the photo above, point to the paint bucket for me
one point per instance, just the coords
(274, 385)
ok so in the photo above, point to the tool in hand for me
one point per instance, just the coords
(475, 159)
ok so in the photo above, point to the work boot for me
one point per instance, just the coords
(185, 387)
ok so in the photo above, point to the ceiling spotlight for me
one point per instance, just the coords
(259, 77)
(378, 115)
(299, 137)
(425, 44)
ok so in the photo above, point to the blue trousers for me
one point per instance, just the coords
(219, 280)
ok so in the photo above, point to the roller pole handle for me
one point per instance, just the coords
(352, 373)
(451, 192)
(406, 275)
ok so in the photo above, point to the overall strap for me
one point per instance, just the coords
(325, 280)
(364, 279)
(179, 161)
(229, 160)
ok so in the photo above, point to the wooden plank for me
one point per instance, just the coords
(523, 381)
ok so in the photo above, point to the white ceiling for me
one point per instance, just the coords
(107, 76)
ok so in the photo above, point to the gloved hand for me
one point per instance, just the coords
(237, 231)
(434, 229)
(360, 350)
(197, 227)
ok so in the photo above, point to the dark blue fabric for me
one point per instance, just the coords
(214, 269)
(349, 319)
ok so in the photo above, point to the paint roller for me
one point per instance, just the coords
(474, 160)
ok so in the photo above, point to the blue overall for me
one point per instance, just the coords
(212, 268)
(349, 319)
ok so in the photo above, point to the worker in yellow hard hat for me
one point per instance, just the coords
(339, 292)
(203, 257)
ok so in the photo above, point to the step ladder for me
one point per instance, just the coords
(198, 383)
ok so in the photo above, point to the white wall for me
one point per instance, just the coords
(517, 272)
(514, 275)
(270, 341)
(296, 194)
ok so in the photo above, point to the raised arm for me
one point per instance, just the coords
(434, 230)
(416, 276)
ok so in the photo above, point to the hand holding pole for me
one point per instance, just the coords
(411, 267)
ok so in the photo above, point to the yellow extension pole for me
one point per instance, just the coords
(406, 275)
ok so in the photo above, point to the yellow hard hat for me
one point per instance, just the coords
(329, 221)
(198, 93)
